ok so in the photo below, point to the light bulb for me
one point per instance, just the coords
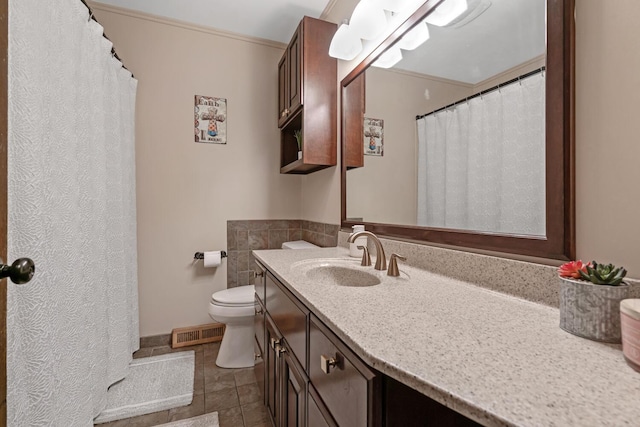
(345, 44)
(368, 21)
(388, 59)
(414, 38)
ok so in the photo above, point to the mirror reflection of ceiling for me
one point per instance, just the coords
(474, 48)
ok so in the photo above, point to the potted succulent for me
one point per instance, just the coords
(590, 296)
(298, 135)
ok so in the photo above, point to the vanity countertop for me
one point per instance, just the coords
(497, 359)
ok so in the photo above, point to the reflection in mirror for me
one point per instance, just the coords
(455, 131)
(469, 137)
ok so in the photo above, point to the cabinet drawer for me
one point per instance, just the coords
(259, 282)
(258, 324)
(349, 388)
(289, 317)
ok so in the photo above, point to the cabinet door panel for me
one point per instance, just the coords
(294, 392)
(272, 366)
(295, 72)
(259, 370)
(283, 87)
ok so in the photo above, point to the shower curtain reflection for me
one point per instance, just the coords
(481, 163)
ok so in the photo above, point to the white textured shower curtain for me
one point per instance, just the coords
(73, 328)
(481, 164)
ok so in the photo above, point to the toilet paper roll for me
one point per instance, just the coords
(212, 258)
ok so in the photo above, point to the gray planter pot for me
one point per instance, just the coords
(591, 311)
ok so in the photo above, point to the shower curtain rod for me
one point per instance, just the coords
(113, 50)
(484, 92)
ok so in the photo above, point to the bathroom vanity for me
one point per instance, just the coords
(422, 349)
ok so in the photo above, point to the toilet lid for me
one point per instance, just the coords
(242, 295)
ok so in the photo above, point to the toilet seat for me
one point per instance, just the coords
(242, 296)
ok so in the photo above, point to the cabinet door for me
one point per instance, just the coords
(294, 52)
(294, 391)
(272, 366)
(283, 86)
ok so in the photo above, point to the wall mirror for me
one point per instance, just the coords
(467, 139)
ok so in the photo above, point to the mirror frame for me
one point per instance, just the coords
(559, 242)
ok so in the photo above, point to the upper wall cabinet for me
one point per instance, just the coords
(307, 99)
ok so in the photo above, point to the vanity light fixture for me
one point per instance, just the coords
(368, 20)
(345, 44)
(447, 12)
(414, 38)
(388, 59)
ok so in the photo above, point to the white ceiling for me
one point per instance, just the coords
(507, 34)
(267, 19)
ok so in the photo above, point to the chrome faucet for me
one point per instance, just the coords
(381, 259)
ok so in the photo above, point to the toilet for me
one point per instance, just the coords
(235, 307)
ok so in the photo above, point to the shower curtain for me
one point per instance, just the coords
(481, 163)
(71, 330)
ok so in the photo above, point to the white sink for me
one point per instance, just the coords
(341, 272)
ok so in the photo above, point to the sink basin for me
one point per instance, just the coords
(341, 272)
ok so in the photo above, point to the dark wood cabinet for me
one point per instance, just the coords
(307, 99)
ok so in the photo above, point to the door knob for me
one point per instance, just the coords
(21, 271)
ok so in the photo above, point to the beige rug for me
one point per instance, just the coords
(206, 420)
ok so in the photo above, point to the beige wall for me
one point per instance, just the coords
(384, 190)
(607, 129)
(187, 191)
(607, 132)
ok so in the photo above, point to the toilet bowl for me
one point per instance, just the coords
(235, 308)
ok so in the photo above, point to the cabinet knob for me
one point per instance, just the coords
(257, 274)
(259, 310)
(274, 342)
(282, 350)
(327, 362)
(257, 356)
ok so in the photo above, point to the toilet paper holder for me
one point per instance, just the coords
(200, 255)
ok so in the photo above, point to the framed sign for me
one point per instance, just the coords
(210, 119)
(373, 137)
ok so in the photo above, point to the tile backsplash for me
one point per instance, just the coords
(243, 236)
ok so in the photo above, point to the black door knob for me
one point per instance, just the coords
(21, 271)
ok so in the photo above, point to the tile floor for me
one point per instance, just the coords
(233, 393)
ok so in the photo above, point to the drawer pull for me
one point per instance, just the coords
(259, 310)
(282, 350)
(257, 274)
(274, 342)
(326, 363)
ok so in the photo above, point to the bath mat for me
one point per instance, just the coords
(153, 384)
(206, 420)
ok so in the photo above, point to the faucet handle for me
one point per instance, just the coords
(366, 258)
(393, 265)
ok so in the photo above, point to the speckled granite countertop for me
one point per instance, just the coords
(494, 358)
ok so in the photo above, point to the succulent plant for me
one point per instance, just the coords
(601, 274)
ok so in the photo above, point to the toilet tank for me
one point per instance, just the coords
(298, 244)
